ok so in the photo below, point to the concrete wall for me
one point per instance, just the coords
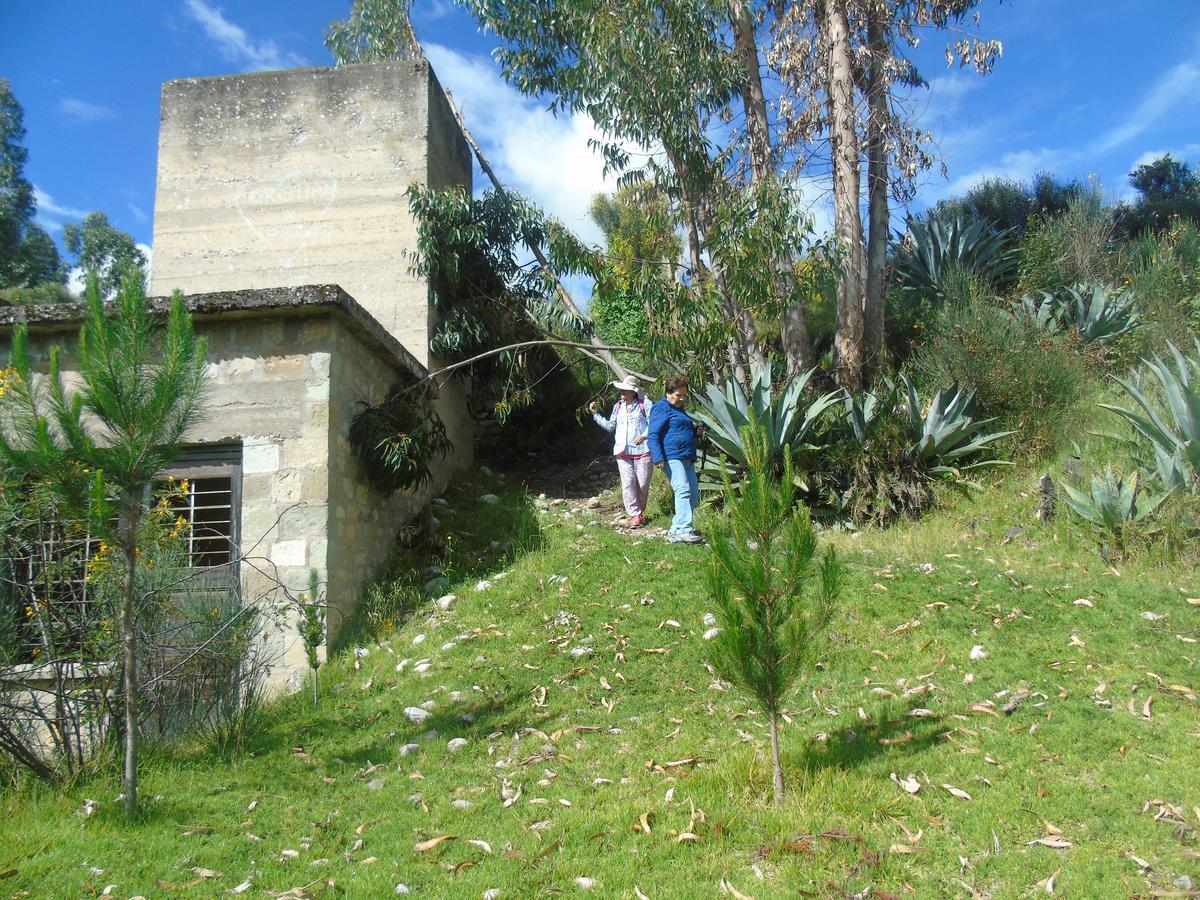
(280, 179)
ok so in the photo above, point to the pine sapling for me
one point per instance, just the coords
(774, 597)
(312, 627)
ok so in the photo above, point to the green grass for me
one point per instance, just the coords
(917, 599)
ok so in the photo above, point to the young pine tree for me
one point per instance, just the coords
(773, 595)
(139, 390)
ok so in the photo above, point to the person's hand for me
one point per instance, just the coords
(639, 440)
(593, 406)
(661, 466)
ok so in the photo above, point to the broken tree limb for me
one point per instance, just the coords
(544, 342)
(598, 347)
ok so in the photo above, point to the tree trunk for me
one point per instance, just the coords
(127, 528)
(777, 765)
(877, 198)
(797, 347)
(843, 140)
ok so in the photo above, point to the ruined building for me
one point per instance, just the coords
(281, 215)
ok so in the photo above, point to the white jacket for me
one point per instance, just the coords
(627, 423)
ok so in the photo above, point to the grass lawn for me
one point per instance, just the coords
(598, 746)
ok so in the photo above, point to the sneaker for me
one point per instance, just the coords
(687, 537)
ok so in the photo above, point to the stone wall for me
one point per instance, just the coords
(279, 179)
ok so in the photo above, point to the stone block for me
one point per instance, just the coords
(260, 458)
(289, 553)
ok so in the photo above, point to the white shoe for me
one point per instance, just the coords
(687, 537)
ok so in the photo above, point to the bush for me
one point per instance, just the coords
(33, 296)
(1031, 381)
(1163, 271)
(1068, 248)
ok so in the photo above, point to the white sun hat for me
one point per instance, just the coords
(629, 383)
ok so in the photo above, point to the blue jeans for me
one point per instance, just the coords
(682, 473)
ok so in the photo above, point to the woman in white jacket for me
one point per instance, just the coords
(628, 422)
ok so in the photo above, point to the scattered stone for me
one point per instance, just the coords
(429, 704)
(456, 744)
(593, 503)
(1183, 882)
(402, 890)
(361, 652)
(491, 894)
(436, 585)
(580, 652)
(483, 585)
(409, 749)
(1152, 616)
(402, 665)
(585, 883)
(489, 499)
(375, 784)
(977, 652)
(415, 714)
(711, 633)
(446, 601)
(709, 620)
(449, 645)
(422, 667)
(464, 805)
(1012, 534)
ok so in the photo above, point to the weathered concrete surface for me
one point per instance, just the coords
(279, 179)
(286, 372)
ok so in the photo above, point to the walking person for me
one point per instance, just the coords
(672, 439)
(628, 422)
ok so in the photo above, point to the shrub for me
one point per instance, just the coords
(1096, 313)
(945, 250)
(1163, 271)
(1069, 248)
(1029, 380)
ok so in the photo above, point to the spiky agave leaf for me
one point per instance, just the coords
(1112, 501)
(947, 241)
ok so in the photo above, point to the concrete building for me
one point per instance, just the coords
(281, 215)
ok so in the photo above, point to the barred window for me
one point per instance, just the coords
(210, 506)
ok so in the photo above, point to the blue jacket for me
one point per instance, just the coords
(672, 433)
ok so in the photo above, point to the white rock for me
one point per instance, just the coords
(409, 749)
(415, 714)
(457, 696)
(464, 805)
(456, 744)
(1084, 601)
(429, 704)
(483, 585)
(585, 883)
(361, 652)
(1152, 616)
(402, 665)
(489, 499)
(711, 633)
(422, 667)
(402, 889)
(446, 601)
(491, 894)
(709, 620)
(580, 652)
(977, 652)
(419, 639)
(449, 645)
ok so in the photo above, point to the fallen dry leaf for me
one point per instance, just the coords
(1055, 843)
(909, 784)
(422, 846)
(482, 845)
(205, 873)
(1048, 884)
(728, 888)
(957, 792)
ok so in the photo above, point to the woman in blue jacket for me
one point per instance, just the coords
(672, 440)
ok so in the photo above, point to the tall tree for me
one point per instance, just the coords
(103, 250)
(28, 256)
(849, 80)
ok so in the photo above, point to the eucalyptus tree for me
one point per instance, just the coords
(849, 77)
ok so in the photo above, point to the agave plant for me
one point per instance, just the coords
(785, 420)
(1173, 433)
(1098, 313)
(948, 432)
(1112, 501)
(948, 242)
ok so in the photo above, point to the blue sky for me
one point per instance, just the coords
(1084, 88)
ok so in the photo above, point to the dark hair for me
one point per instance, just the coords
(675, 382)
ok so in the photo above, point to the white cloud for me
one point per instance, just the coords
(541, 155)
(1174, 92)
(433, 10)
(82, 112)
(51, 215)
(235, 44)
(76, 281)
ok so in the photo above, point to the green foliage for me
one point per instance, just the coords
(1009, 205)
(1070, 248)
(1162, 269)
(395, 442)
(945, 247)
(311, 608)
(47, 292)
(1168, 193)
(1173, 433)
(948, 435)
(1112, 501)
(783, 420)
(376, 30)
(774, 598)
(104, 251)
(1030, 380)
(28, 256)
(1097, 313)
(101, 445)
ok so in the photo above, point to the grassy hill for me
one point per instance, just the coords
(991, 718)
